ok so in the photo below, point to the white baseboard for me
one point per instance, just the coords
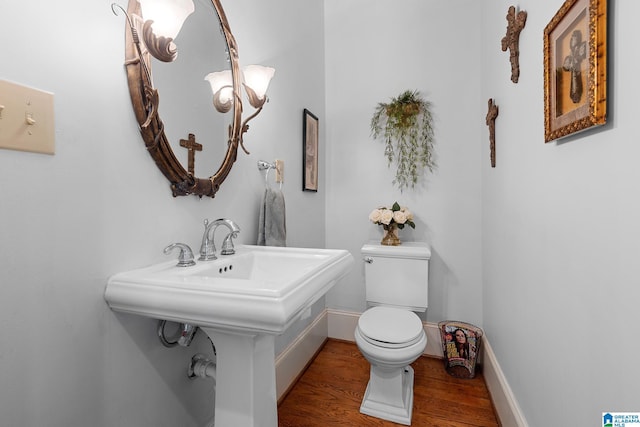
(503, 399)
(342, 324)
(293, 360)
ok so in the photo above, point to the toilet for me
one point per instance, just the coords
(390, 334)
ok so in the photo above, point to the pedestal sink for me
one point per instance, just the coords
(241, 301)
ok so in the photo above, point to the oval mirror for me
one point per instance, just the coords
(196, 138)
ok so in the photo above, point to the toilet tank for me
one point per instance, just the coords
(397, 276)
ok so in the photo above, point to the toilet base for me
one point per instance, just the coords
(389, 394)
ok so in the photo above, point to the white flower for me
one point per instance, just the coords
(375, 215)
(400, 217)
(386, 217)
(408, 214)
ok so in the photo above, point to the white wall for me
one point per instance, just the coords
(561, 232)
(374, 51)
(100, 205)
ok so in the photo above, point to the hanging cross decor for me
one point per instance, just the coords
(511, 41)
(492, 113)
(571, 63)
(191, 145)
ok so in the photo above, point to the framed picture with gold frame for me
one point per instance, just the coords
(575, 68)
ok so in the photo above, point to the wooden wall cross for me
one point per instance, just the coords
(511, 41)
(191, 145)
(492, 113)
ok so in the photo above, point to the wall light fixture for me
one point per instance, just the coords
(222, 87)
(163, 20)
(255, 80)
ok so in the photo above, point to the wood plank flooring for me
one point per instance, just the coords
(330, 391)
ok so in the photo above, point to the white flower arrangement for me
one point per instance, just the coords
(400, 216)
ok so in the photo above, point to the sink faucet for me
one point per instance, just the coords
(208, 247)
(185, 259)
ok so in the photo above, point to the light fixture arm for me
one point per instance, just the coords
(245, 128)
(134, 35)
(151, 94)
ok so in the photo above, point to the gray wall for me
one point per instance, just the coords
(375, 51)
(561, 232)
(100, 205)
(539, 251)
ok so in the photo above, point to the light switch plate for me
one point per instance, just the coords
(26, 119)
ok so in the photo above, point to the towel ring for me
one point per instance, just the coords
(266, 166)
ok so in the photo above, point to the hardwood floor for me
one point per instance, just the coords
(330, 391)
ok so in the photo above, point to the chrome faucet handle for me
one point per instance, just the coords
(185, 258)
(227, 244)
(208, 247)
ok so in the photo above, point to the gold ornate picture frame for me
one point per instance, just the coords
(575, 68)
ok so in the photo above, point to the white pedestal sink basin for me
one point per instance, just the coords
(241, 301)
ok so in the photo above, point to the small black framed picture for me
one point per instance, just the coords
(309, 151)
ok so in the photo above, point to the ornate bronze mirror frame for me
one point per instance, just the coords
(145, 100)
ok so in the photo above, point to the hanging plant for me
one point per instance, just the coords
(406, 125)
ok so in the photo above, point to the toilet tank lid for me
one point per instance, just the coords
(415, 250)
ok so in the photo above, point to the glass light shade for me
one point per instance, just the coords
(167, 15)
(222, 87)
(257, 78)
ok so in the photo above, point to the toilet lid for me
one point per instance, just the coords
(390, 327)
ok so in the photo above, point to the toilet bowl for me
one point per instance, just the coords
(390, 335)
(390, 339)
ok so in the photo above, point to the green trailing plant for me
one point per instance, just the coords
(406, 126)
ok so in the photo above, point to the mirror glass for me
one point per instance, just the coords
(185, 98)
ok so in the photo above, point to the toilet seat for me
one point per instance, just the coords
(390, 327)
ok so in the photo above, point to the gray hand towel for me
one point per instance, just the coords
(272, 227)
